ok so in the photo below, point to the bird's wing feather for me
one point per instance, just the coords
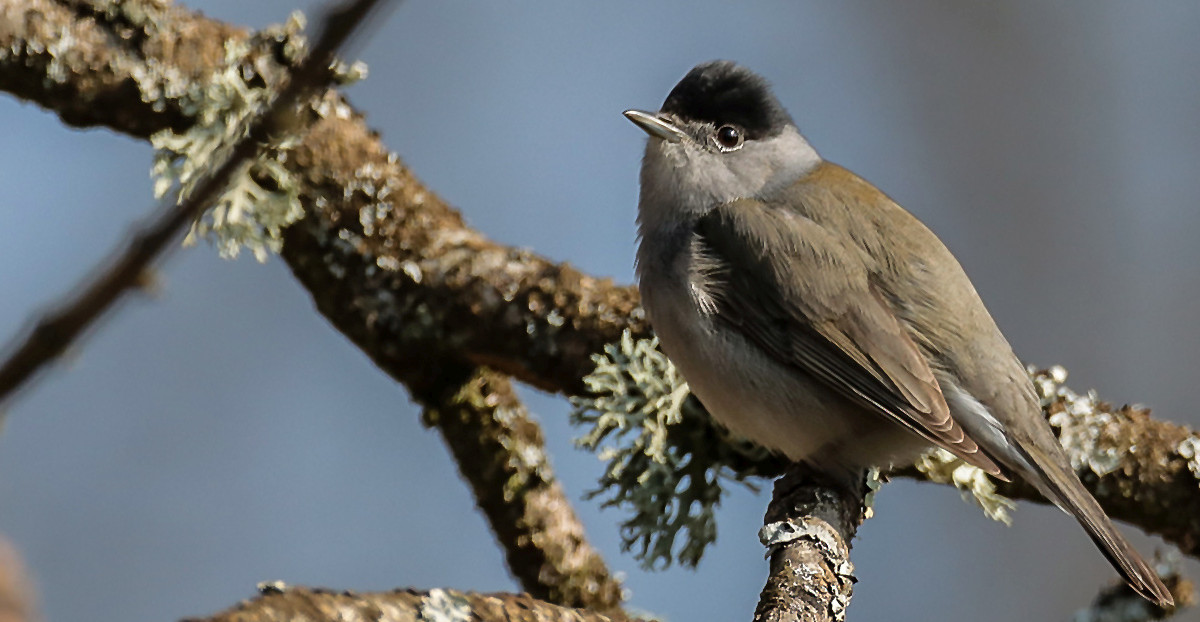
(834, 326)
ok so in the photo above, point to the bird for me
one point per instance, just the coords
(813, 315)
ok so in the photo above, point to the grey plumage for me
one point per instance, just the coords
(812, 314)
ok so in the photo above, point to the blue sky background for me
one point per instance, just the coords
(220, 433)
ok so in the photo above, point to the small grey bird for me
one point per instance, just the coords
(813, 315)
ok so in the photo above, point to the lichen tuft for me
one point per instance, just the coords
(942, 467)
(444, 606)
(1083, 423)
(663, 462)
(263, 198)
(1189, 449)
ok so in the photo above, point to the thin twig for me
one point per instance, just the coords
(62, 326)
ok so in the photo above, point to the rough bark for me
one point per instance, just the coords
(477, 412)
(807, 529)
(278, 603)
(501, 454)
(386, 260)
(61, 327)
(93, 66)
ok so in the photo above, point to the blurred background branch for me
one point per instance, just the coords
(16, 589)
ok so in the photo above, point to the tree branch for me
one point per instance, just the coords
(501, 454)
(90, 63)
(414, 274)
(808, 528)
(277, 603)
(59, 329)
(478, 414)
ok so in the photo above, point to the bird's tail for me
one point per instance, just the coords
(1060, 484)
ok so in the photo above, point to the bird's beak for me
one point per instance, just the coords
(655, 125)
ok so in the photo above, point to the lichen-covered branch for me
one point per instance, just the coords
(808, 528)
(388, 262)
(396, 269)
(340, 165)
(500, 452)
(58, 329)
(122, 65)
(279, 603)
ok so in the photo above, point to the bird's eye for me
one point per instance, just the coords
(729, 138)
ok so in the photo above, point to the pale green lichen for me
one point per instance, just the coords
(874, 483)
(1081, 423)
(526, 462)
(1189, 449)
(942, 467)
(660, 464)
(444, 606)
(262, 198)
(138, 14)
(58, 71)
(348, 73)
(272, 587)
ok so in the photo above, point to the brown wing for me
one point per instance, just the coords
(813, 307)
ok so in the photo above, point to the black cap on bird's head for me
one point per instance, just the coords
(722, 92)
(720, 135)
